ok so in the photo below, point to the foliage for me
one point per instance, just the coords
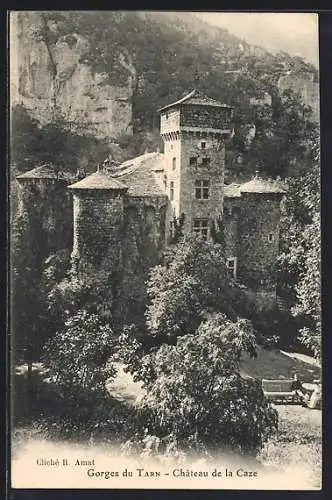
(199, 396)
(33, 144)
(300, 252)
(78, 357)
(192, 280)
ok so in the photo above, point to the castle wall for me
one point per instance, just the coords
(48, 205)
(98, 226)
(214, 172)
(260, 216)
(206, 117)
(231, 216)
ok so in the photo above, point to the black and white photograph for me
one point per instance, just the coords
(165, 243)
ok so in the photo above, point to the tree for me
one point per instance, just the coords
(192, 280)
(78, 358)
(199, 396)
(299, 259)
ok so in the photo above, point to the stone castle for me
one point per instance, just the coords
(117, 220)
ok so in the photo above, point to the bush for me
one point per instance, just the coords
(198, 395)
(78, 358)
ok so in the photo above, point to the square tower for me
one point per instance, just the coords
(194, 131)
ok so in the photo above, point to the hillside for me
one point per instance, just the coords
(104, 74)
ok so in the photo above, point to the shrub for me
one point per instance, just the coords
(199, 396)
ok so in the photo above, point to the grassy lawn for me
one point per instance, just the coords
(298, 445)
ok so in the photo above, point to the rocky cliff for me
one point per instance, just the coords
(50, 77)
(304, 84)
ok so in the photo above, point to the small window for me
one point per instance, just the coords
(202, 189)
(166, 116)
(193, 160)
(174, 163)
(206, 161)
(171, 190)
(201, 228)
(203, 145)
(270, 237)
(231, 266)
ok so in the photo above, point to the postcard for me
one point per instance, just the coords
(165, 250)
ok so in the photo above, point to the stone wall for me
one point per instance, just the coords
(206, 117)
(214, 172)
(48, 205)
(98, 229)
(231, 216)
(260, 217)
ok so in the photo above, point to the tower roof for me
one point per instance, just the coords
(259, 185)
(196, 97)
(99, 180)
(47, 171)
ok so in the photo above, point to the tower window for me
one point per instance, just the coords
(174, 163)
(193, 160)
(206, 161)
(171, 190)
(231, 266)
(201, 228)
(202, 190)
(203, 145)
(270, 238)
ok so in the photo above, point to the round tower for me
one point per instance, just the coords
(259, 237)
(194, 130)
(98, 224)
(44, 199)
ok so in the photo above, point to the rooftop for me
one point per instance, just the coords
(232, 191)
(99, 180)
(47, 171)
(259, 185)
(196, 97)
(136, 177)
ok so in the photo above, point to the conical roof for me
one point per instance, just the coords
(99, 180)
(259, 185)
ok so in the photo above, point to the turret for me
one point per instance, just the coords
(259, 235)
(44, 198)
(98, 224)
(194, 130)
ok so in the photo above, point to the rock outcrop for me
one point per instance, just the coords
(50, 78)
(305, 85)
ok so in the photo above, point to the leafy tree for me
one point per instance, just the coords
(78, 357)
(299, 259)
(192, 280)
(199, 396)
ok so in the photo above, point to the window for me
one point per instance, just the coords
(231, 266)
(171, 190)
(202, 190)
(201, 228)
(174, 163)
(203, 145)
(270, 237)
(206, 161)
(193, 160)
(166, 116)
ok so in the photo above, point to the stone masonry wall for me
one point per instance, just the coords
(260, 216)
(98, 227)
(214, 172)
(49, 207)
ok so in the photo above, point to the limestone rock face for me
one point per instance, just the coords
(304, 84)
(50, 78)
